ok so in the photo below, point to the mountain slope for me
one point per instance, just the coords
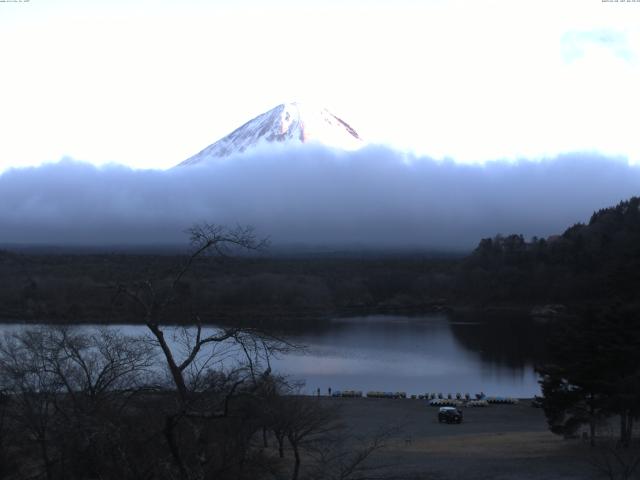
(291, 122)
(599, 261)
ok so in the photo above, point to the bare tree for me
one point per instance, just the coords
(67, 390)
(33, 389)
(316, 436)
(7, 462)
(205, 239)
(348, 457)
(307, 422)
(208, 366)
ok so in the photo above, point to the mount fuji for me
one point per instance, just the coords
(286, 123)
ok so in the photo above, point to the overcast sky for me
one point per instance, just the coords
(149, 83)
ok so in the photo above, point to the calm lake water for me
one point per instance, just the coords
(430, 353)
(433, 353)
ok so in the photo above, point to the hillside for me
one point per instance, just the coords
(598, 260)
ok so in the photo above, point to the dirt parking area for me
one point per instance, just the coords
(495, 442)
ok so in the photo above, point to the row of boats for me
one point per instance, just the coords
(484, 402)
(435, 399)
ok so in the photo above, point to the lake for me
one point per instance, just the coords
(494, 354)
(431, 353)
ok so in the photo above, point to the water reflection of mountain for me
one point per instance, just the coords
(511, 340)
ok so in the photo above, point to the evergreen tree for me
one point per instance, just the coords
(594, 372)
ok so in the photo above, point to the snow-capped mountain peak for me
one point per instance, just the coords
(290, 122)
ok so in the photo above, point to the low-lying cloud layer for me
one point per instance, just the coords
(374, 197)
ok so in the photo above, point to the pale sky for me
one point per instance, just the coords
(150, 83)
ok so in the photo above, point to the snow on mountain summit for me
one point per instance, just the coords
(290, 122)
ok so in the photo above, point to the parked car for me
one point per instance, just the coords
(536, 402)
(449, 415)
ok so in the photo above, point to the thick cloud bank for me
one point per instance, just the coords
(374, 197)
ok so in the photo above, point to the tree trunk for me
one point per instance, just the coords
(168, 431)
(176, 373)
(626, 428)
(45, 458)
(280, 445)
(296, 465)
(592, 424)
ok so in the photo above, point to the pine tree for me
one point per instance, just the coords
(594, 372)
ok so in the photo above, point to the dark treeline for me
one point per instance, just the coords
(587, 262)
(279, 291)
